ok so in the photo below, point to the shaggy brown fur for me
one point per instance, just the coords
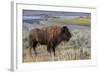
(50, 36)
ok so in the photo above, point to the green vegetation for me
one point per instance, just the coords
(81, 21)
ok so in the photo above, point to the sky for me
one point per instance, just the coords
(52, 13)
(35, 14)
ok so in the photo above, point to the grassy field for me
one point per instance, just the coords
(78, 48)
(81, 21)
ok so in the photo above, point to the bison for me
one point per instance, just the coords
(50, 36)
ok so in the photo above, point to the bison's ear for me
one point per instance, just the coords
(64, 29)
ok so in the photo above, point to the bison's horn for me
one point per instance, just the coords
(64, 28)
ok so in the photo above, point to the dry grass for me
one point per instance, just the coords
(62, 54)
(78, 48)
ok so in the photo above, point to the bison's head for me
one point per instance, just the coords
(65, 33)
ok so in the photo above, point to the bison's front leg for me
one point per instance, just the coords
(53, 49)
(49, 49)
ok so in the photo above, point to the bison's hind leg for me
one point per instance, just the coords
(34, 47)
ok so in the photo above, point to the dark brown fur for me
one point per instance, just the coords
(50, 36)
